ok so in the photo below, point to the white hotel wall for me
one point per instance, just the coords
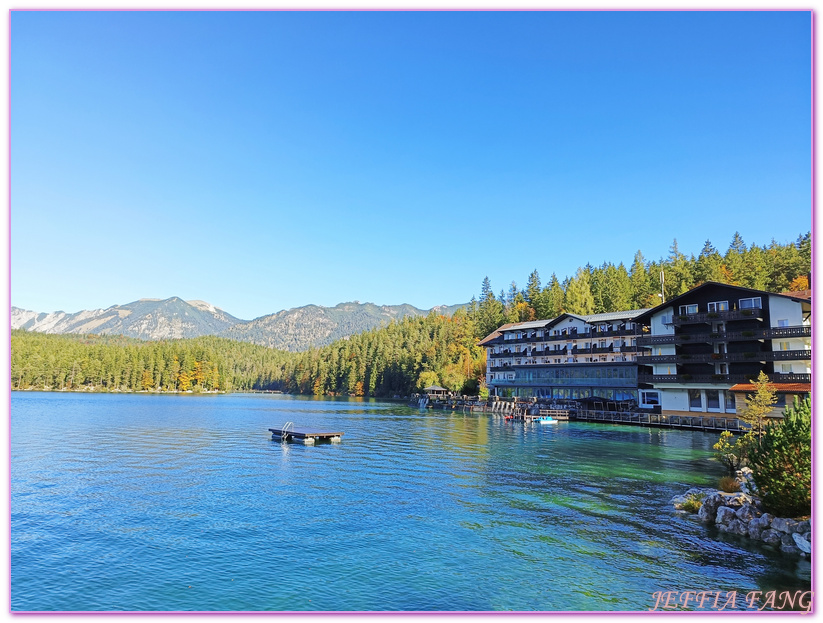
(658, 328)
(674, 400)
(781, 308)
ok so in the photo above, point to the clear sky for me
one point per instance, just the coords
(267, 160)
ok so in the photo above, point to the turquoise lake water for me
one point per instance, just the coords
(185, 503)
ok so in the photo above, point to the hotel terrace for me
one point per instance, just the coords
(697, 352)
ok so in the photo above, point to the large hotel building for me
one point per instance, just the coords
(696, 352)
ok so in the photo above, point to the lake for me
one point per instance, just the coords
(127, 502)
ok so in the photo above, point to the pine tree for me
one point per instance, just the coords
(737, 245)
(598, 284)
(756, 275)
(490, 311)
(579, 299)
(707, 266)
(640, 283)
(679, 278)
(781, 463)
(759, 404)
(556, 298)
(512, 293)
(533, 288)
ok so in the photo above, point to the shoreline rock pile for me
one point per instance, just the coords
(740, 513)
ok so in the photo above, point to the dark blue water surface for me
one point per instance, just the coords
(141, 502)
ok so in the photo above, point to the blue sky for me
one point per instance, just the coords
(267, 160)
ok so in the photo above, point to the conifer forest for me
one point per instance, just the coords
(408, 354)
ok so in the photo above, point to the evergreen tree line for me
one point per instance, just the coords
(408, 354)
(106, 363)
(598, 289)
(399, 359)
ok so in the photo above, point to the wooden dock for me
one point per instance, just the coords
(657, 420)
(307, 435)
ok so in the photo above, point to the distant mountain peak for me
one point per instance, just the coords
(295, 329)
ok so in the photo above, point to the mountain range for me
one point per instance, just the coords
(294, 329)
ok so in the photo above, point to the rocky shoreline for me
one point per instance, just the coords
(741, 513)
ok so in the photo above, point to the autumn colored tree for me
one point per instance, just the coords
(759, 404)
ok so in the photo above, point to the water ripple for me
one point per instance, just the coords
(165, 503)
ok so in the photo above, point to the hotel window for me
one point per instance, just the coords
(752, 303)
(783, 323)
(688, 309)
(695, 400)
(712, 399)
(719, 306)
(785, 346)
(728, 398)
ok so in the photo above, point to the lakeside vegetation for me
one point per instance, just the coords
(403, 357)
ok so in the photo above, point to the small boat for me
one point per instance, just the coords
(546, 419)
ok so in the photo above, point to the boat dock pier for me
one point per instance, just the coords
(308, 436)
(561, 415)
(661, 420)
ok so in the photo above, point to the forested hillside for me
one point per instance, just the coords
(313, 325)
(596, 289)
(381, 362)
(116, 363)
(409, 353)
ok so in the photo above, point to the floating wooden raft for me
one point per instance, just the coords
(308, 436)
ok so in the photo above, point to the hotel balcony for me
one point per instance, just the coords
(720, 378)
(769, 355)
(754, 313)
(773, 333)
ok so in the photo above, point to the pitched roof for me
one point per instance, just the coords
(495, 334)
(618, 315)
(604, 317)
(799, 294)
(783, 388)
(650, 312)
